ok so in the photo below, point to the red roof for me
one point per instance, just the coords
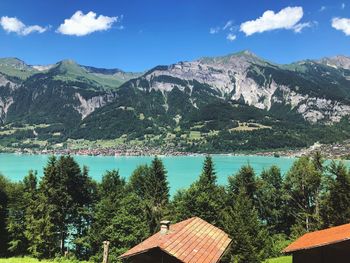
(191, 241)
(320, 238)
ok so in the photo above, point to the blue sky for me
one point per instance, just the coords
(136, 35)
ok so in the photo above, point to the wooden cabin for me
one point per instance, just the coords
(191, 241)
(330, 245)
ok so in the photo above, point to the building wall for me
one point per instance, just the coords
(152, 256)
(336, 253)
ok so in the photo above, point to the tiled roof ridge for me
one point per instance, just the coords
(321, 238)
(193, 240)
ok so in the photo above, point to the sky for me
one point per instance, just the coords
(136, 35)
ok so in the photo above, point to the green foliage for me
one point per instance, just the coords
(303, 185)
(204, 198)
(119, 218)
(271, 198)
(64, 196)
(244, 180)
(4, 238)
(262, 214)
(250, 239)
(337, 200)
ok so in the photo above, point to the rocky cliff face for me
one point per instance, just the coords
(318, 90)
(246, 78)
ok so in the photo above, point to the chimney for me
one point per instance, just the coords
(164, 227)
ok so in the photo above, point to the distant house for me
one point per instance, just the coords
(330, 245)
(191, 241)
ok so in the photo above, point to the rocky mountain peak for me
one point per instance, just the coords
(338, 61)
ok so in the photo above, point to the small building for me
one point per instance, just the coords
(328, 245)
(190, 241)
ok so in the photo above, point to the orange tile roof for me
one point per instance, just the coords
(191, 241)
(320, 238)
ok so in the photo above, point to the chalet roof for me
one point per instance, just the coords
(191, 241)
(320, 238)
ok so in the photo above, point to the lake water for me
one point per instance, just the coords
(182, 170)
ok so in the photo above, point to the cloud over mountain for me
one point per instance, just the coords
(342, 24)
(287, 18)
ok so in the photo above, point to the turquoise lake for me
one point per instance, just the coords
(182, 170)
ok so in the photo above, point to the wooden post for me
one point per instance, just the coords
(105, 251)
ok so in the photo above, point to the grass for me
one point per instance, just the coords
(287, 259)
(32, 260)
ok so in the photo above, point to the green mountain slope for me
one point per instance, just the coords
(238, 102)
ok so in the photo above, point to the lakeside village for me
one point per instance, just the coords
(334, 151)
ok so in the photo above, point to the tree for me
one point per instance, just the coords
(156, 193)
(18, 243)
(303, 187)
(4, 238)
(30, 194)
(204, 198)
(271, 199)
(119, 217)
(244, 179)
(63, 197)
(208, 177)
(337, 204)
(250, 240)
(137, 181)
(157, 184)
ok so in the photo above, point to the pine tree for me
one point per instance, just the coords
(16, 219)
(64, 195)
(303, 184)
(157, 183)
(156, 193)
(119, 217)
(338, 205)
(208, 177)
(250, 240)
(271, 200)
(137, 181)
(204, 198)
(4, 237)
(244, 179)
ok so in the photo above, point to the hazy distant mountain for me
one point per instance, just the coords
(208, 95)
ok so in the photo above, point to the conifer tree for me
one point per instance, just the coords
(4, 238)
(204, 198)
(156, 193)
(16, 219)
(250, 240)
(119, 217)
(244, 179)
(338, 201)
(63, 195)
(303, 185)
(271, 200)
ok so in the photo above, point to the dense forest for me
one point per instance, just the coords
(65, 210)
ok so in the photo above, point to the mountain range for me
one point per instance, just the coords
(216, 104)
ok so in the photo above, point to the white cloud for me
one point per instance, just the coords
(342, 24)
(298, 28)
(287, 18)
(14, 25)
(322, 8)
(228, 25)
(214, 30)
(343, 6)
(231, 37)
(81, 25)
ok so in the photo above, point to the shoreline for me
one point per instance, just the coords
(329, 151)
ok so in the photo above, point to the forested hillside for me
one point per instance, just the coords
(238, 102)
(67, 210)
